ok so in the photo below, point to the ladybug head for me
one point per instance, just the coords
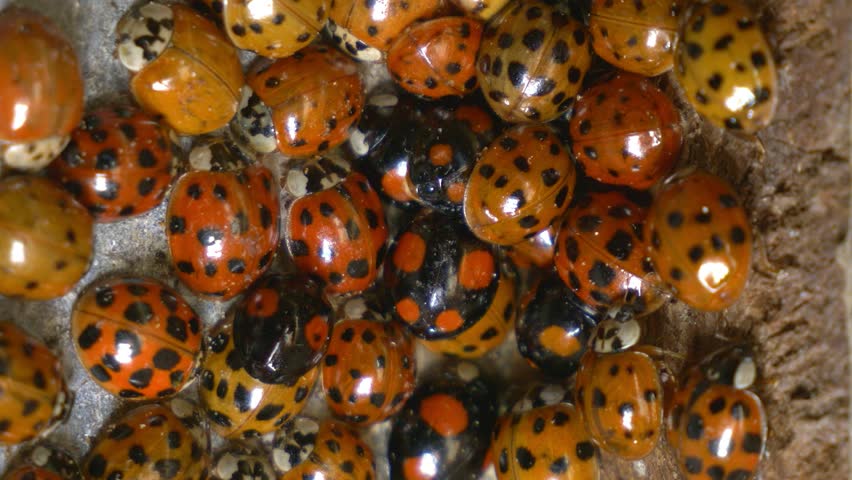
(143, 34)
(732, 366)
(218, 154)
(314, 175)
(294, 443)
(612, 335)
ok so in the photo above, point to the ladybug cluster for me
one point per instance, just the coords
(513, 182)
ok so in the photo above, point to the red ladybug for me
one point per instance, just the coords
(222, 221)
(336, 228)
(41, 89)
(626, 131)
(303, 104)
(118, 164)
(437, 58)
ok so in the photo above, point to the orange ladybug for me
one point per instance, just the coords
(183, 67)
(41, 89)
(620, 392)
(437, 58)
(626, 131)
(136, 337)
(278, 29)
(309, 449)
(700, 240)
(521, 185)
(303, 104)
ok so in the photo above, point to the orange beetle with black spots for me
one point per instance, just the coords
(521, 185)
(368, 370)
(626, 131)
(41, 89)
(279, 30)
(336, 228)
(222, 221)
(302, 105)
(620, 392)
(136, 337)
(437, 58)
(700, 239)
(282, 328)
(183, 67)
(716, 424)
(33, 397)
(331, 450)
(601, 253)
(636, 36)
(118, 163)
(553, 330)
(444, 429)
(449, 287)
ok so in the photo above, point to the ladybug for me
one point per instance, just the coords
(183, 67)
(626, 131)
(717, 426)
(336, 227)
(237, 404)
(118, 164)
(282, 328)
(482, 9)
(34, 396)
(620, 392)
(154, 441)
(725, 66)
(47, 239)
(41, 89)
(303, 104)
(368, 370)
(700, 240)
(638, 37)
(240, 462)
(43, 462)
(444, 428)
(277, 30)
(554, 328)
(548, 442)
(449, 287)
(436, 58)
(532, 61)
(222, 221)
(331, 450)
(138, 338)
(521, 185)
(600, 254)
(365, 30)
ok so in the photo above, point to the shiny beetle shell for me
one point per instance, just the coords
(222, 224)
(700, 240)
(532, 61)
(437, 58)
(338, 234)
(33, 396)
(521, 185)
(545, 443)
(303, 104)
(41, 89)
(183, 67)
(238, 405)
(278, 30)
(368, 370)
(625, 131)
(620, 395)
(725, 65)
(444, 429)
(136, 337)
(282, 328)
(45, 239)
(151, 442)
(118, 163)
(638, 37)
(331, 450)
(601, 254)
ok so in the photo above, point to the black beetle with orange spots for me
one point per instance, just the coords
(444, 429)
